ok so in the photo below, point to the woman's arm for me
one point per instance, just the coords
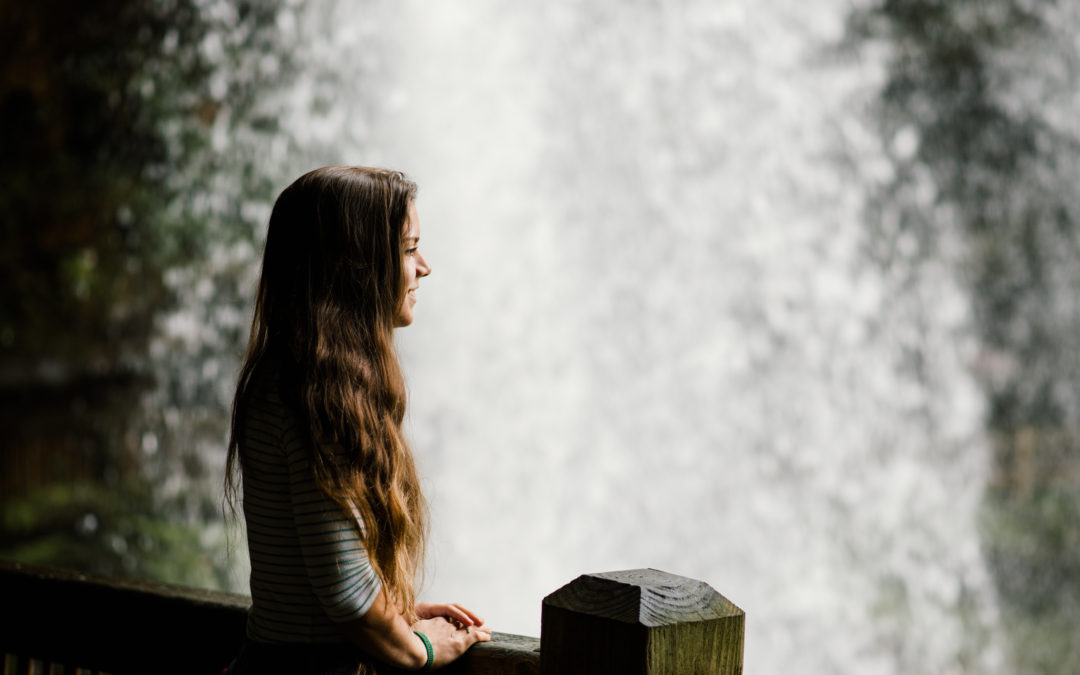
(383, 633)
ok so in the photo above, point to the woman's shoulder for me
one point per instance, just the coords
(265, 384)
(268, 413)
(264, 398)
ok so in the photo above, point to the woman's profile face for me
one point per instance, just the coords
(414, 268)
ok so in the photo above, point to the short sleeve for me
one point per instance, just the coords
(336, 561)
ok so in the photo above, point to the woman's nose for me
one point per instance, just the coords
(422, 267)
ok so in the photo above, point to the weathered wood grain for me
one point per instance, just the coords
(505, 655)
(640, 621)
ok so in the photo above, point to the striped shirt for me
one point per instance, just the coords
(309, 568)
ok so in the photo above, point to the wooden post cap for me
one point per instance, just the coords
(640, 621)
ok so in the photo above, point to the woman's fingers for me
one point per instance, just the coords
(476, 620)
(456, 612)
(453, 612)
(481, 634)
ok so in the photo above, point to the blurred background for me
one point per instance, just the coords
(780, 295)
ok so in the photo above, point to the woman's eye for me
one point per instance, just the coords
(410, 251)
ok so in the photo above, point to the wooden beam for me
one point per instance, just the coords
(118, 627)
(640, 621)
(55, 616)
(505, 655)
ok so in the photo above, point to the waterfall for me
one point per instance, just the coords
(651, 338)
(778, 295)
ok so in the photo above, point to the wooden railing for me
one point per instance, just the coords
(637, 621)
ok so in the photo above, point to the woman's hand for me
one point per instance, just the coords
(384, 633)
(454, 613)
(448, 639)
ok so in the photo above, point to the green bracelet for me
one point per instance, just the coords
(430, 651)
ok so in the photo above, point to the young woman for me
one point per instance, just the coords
(335, 516)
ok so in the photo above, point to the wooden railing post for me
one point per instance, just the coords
(640, 621)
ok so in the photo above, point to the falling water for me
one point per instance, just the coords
(650, 338)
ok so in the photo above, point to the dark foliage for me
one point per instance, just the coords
(1002, 173)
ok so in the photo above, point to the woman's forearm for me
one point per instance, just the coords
(383, 633)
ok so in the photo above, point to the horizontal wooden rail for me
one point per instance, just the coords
(51, 618)
(56, 617)
(638, 621)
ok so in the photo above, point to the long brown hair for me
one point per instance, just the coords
(331, 286)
